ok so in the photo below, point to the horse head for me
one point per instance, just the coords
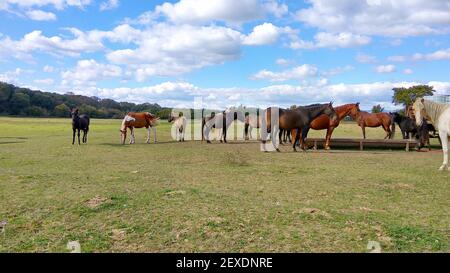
(329, 111)
(75, 112)
(419, 111)
(354, 110)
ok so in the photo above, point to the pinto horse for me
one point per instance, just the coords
(138, 120)
(365, 119)
(79, 122)
(296, 119)
(324, 122)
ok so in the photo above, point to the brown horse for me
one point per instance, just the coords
(138, 120)
(365, 119)
(324, 122)
(296, 119)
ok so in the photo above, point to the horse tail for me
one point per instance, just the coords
(392, 127)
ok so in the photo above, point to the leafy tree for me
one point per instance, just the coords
(406, 96)
(18, 103)
(62, 111)
(377, 109)
(35, 111)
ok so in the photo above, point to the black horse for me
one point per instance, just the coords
(407, 125)
(80, 122)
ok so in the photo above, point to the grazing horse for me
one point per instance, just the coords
(79, 122)
(365, 119)
(407, 125)
(221, 121)
(439, 115)
(324, 122)
(138, 120)
(180, 126)
(296, 119)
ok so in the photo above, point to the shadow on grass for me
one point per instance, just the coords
(12, 138)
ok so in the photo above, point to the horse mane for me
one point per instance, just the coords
(434, 110)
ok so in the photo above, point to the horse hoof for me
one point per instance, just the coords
(278, 150)
(208, 142)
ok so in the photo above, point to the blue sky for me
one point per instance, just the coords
(252, 52)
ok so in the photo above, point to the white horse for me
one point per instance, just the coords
(439, 115)
(222, 122)
(180, 126)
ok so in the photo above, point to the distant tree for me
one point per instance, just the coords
(35, 111)
(61, 110)
(6, 92)
(19, 102)
(377, 109)
(293, 107)
(406, 96)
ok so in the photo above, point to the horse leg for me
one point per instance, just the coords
(280, 136)
(304, 135)
(388, 131)
(297, 138)
(79, 143)
(363, 131)
(74, 133)
(148, 134)
(225, 134)
(154, 132)
(444, 140)
(132, 139)
(328, 138)
(274, 133)
(84, 136)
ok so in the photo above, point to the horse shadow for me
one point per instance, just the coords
(24, 139)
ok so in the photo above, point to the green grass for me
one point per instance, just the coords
(193, 197)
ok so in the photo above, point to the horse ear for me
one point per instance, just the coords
(357, 103)
(422, 100)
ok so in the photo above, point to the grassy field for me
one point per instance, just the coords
(193, 197)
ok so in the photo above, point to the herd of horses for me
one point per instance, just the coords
(293, 125)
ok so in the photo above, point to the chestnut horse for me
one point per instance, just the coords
(138, 120)
(296, 119)
(324, 122)
(365, 119)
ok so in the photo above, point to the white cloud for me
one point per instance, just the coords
(297, 73)
(40, 15)
(166, 50)
(283, 62)
(48, 81)
(396, 58)
(264, 34)
(182, 94)
(229, 11)
(365, 58)
(48, 69)
(89, 72)
(385, 69)
(58, 4)
(110, 4)
(331, 40)
(408, 71)
(400, 18)
(55, 45)
(443, 54)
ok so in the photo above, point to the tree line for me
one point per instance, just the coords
(25, 102)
